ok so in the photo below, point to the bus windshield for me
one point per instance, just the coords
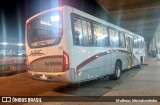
(45, 30)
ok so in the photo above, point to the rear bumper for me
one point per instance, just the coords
(67, 76)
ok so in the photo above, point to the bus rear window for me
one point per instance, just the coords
(45, 30)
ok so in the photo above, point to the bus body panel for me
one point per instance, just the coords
(92, 62)
(38, 55)
(104, 65)
(67, 76)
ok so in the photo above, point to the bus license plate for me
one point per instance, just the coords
(43, 77)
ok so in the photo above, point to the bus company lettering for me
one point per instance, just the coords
(36, 53)
(53, 63)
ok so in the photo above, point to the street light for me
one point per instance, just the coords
(4, 43)
(20, 44)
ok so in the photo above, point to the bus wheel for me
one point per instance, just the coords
(141, 62)
(118, 70)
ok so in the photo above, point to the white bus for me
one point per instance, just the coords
(65, 44)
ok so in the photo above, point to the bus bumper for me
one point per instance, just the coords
(67, 76)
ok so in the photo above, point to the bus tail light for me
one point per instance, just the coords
(65, 61)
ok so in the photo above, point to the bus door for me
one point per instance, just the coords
(130, 51)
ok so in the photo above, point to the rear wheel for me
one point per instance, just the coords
(118, 70)
(141, 62)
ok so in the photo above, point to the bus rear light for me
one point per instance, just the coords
(65, 61)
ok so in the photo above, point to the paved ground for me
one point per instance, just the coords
(23, 85)
(145, 83)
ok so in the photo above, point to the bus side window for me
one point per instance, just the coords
(122, 39)
(114, 37)
(77, 38)
(106, 39)
(100, 35)
(136, 42)
(87, 35)
(77, 32)
(141, 44)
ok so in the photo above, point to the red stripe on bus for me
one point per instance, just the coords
(97, 56)
(123, 51)
(91, 59)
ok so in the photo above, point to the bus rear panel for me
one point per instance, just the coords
(47, 53)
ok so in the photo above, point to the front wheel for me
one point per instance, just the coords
(118, 70)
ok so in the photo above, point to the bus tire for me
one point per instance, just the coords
(118, 70)
(141, 62)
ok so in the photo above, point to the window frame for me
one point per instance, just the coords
(72, 15)
(29, 41)
(117, 35)
(103, 27)
(124, 38)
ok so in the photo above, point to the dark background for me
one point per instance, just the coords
(14, 13)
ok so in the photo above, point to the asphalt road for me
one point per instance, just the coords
(23, 85)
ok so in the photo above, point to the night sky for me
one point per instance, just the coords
(14, 13)
(12, 17)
